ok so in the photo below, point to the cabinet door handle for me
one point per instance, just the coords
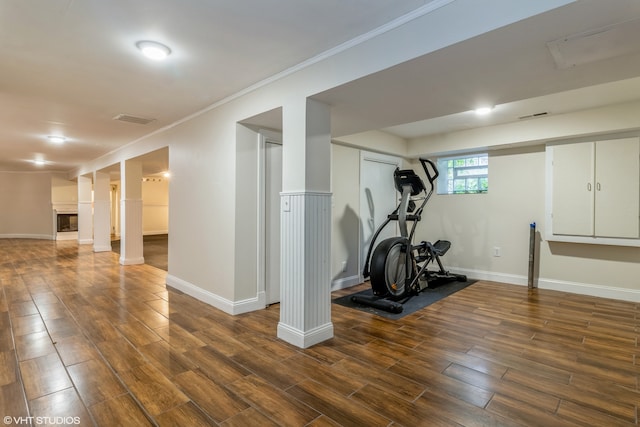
(598, 186)
(588, 186)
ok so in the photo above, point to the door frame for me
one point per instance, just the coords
(265, 136)
(368, 156)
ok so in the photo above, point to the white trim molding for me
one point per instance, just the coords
(27, 236)
(305, 339)
(228, 306)
(623, 294)
(346, 282)
(602, 291)
(305, 299)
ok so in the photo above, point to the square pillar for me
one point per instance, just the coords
(85, 211)
(305, 297)
(131, 243)
(101, 212)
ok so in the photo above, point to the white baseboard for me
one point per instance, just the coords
(304, 339)
(106, 248)
(228, 306)
(345, 282)
(155, 232)
(67, 235)
(131, 261)
(85, 242)
(492, 276)
(612, 292)
(624, 294)
(27, 236)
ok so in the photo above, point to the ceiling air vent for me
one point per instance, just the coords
(534, 115)
(597, 44)
(132, 119)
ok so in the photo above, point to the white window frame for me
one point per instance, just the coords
(449, 174)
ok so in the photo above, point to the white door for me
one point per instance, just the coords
(378, 198)
(273, 187)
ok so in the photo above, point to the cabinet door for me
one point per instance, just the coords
(617, 185)
(573, 189)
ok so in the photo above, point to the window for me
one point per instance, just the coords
(463, 174)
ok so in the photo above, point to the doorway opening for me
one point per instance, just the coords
(271, 149)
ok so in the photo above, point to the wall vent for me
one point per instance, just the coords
(534, 115)
(133, 119)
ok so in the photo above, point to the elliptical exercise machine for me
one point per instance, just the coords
(398, 268)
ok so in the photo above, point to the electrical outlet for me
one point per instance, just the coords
(497, 251)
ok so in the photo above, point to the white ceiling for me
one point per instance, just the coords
(510, 68)
(70, 66)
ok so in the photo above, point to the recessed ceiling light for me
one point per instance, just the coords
(56, 139)
(482, 111)
(39, 162)
(153, 50)
(167, 175)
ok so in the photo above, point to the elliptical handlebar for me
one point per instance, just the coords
(431, 171)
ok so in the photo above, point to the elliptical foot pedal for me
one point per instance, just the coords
(441, 247)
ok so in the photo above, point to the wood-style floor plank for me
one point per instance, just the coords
(281, 407)
(95, 382)
(186, 414)
(8, 368)
(218, 402)
(44, 375)
(122, 411)
(83, 336)
(64, 405)
(152, 389)
(335, 406)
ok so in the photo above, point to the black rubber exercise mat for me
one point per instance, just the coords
(415, 303)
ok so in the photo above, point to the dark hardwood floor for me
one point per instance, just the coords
(91, 342)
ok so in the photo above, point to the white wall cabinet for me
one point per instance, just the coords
(593, 192)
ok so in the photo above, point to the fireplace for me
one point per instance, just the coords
(67, 222)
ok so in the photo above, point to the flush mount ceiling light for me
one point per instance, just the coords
(483, 111)
(56, 139)
(153, 50)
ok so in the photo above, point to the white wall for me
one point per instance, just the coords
(25, 198)
(476, 223)
(155, 206)
(208, 221)
(64, 192)
(246, 207)
(346, 225)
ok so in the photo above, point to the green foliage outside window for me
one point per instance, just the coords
(463, 175)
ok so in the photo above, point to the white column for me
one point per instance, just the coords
(305, 297)
(131, 245)
(85, 211)
(101, 212)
